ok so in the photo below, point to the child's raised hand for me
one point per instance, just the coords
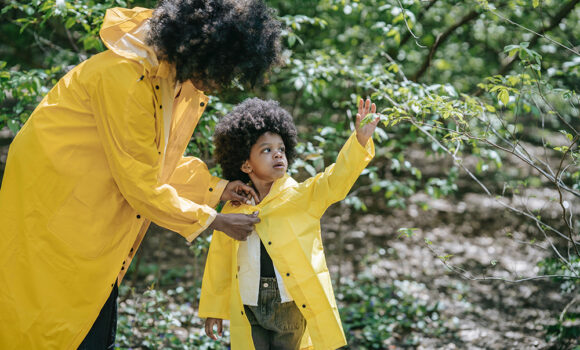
(365, 130)
(209, 323)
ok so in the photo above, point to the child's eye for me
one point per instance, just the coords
(266, 150)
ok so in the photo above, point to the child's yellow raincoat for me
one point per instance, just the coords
(84, 176)
(290, 231)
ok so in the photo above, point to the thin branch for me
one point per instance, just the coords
(468, 276)
(563, 13)
(407, 24)
(567, 307)
(400, 71)
(487, 191)
(409, 34)
(560, 257)
(561, 201)
(440, 39)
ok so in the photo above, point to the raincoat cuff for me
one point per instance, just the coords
(215, 191)
(368, 151)
(201, 226)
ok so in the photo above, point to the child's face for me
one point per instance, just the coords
(267, 160)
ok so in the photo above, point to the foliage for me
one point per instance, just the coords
(375, 312)
(161, 320)
(566, 328)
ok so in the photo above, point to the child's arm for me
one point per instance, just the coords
(335, 182)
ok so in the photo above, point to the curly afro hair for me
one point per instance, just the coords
(216, 41)
(238, 131)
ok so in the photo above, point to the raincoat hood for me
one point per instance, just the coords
(125, 31)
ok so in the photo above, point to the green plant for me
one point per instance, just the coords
(158, 319)
(375, 313)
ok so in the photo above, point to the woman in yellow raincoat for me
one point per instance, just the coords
(233, 284)
(101, 156)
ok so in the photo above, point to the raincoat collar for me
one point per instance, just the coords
(124, 32)
(279, 186)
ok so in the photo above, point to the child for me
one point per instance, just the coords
(275, 287)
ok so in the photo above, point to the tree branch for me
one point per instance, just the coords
(440, 39)
(409, 34)
(564, 11)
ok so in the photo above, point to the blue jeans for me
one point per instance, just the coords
(101, 336)
(275, 325)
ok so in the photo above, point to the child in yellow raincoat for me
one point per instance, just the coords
(275, 287)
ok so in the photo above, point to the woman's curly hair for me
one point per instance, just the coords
(216, 41)
(238, 131)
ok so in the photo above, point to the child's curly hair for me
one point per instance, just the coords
(216, 41)
(238, 131)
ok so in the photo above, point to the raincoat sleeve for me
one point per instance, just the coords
(217, 278)
(190, 176)
(122, 103)
(335, 182)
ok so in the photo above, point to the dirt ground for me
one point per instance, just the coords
(483, 240)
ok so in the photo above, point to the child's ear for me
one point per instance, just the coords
(246, 167)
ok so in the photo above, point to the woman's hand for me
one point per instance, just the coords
(366, 130)
(238, 192)
(237, 226)
(209, 323)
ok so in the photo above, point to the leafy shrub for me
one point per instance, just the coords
(160, 319)
(566, 328)
(374, 313)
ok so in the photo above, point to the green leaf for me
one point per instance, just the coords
(504, 96)
(490, 108)
(291, 40)
(13, 125)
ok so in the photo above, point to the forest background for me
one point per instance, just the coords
(464, 230)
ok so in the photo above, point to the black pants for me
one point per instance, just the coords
(102, 333)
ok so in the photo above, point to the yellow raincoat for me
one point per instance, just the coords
(290, 230)
(85, 175)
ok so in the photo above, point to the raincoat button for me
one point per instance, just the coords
(288, 274)
(269, 243)
(202, 104)
(160, 106)
(265, 285)
(303, 305)
(157, 87)
(123, 268)
(138, 216)
(242, 312)
(211, 189)
(132, 250)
